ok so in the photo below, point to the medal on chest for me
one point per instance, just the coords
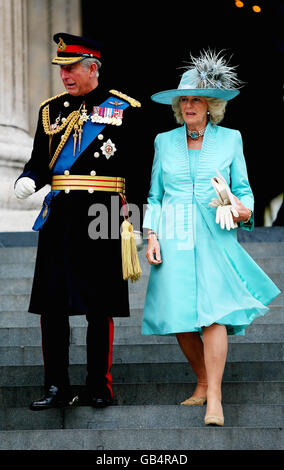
(108, 148)
(105, 115)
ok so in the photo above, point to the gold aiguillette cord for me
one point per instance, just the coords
(75, 135)
(78, 128)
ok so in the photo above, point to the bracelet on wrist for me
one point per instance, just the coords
(247, 220)
(151, 232)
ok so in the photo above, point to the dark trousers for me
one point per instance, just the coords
(55, 348)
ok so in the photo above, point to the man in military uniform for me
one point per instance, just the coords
(83, 148)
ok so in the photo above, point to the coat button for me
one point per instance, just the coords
(66, 172)
(100, 136)
(67, 191)
(93, 173)
(90, 190)
(96, 154)
(66, 104)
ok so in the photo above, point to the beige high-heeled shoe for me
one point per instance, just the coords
(214, 420)
(194, 401)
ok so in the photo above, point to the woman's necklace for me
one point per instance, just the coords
(195, 134)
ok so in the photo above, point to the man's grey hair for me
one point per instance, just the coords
(86, 63)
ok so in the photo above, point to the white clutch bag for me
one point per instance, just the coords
(225, 204)
(222, 190)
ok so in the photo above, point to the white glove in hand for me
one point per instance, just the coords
(24, 187)
(224, 214)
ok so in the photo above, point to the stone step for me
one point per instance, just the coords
(141, 372)
(24, 319)
(189, 438)
(129, 335)
(16, 268)
(271, 265)
(22, 285)
(253, 392)
(16, 302)
(264, 249)
(18, 254)
(135, 417)
(27, 252)
(143, 353)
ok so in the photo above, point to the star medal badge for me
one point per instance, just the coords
(108, 148)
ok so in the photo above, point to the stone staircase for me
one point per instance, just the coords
(151, 376)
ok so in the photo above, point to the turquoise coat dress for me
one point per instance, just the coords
(205, 276)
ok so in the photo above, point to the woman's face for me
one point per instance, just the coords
(194, 111)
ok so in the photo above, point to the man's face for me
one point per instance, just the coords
(78, 80)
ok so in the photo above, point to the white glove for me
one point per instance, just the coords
(24, 187)
(224, 216)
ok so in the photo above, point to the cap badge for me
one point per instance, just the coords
(108, 148)
(61, 45)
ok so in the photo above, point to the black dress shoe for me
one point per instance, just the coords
(101, 402)
(55, 398)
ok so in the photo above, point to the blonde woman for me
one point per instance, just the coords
(203, 285)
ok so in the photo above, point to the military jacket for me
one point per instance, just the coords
(78, 271)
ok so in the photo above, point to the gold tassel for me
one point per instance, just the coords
(130, 262)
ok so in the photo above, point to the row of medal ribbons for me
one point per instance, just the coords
(104, 115)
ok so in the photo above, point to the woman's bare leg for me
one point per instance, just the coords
(215, 343)
(192, 347)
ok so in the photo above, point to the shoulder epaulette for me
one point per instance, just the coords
(132, 101)
(53, 98)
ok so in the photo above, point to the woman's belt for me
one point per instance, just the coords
(87, 182)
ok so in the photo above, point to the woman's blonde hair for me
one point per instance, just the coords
(216, 108)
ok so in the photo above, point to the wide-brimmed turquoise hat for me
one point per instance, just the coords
(207, 75)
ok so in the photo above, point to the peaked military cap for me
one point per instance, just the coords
(72, 49)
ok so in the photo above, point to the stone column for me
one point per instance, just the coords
(15, 142)
(26, 79)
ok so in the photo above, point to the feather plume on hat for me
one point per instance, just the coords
(209, 75)
(212, 71)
